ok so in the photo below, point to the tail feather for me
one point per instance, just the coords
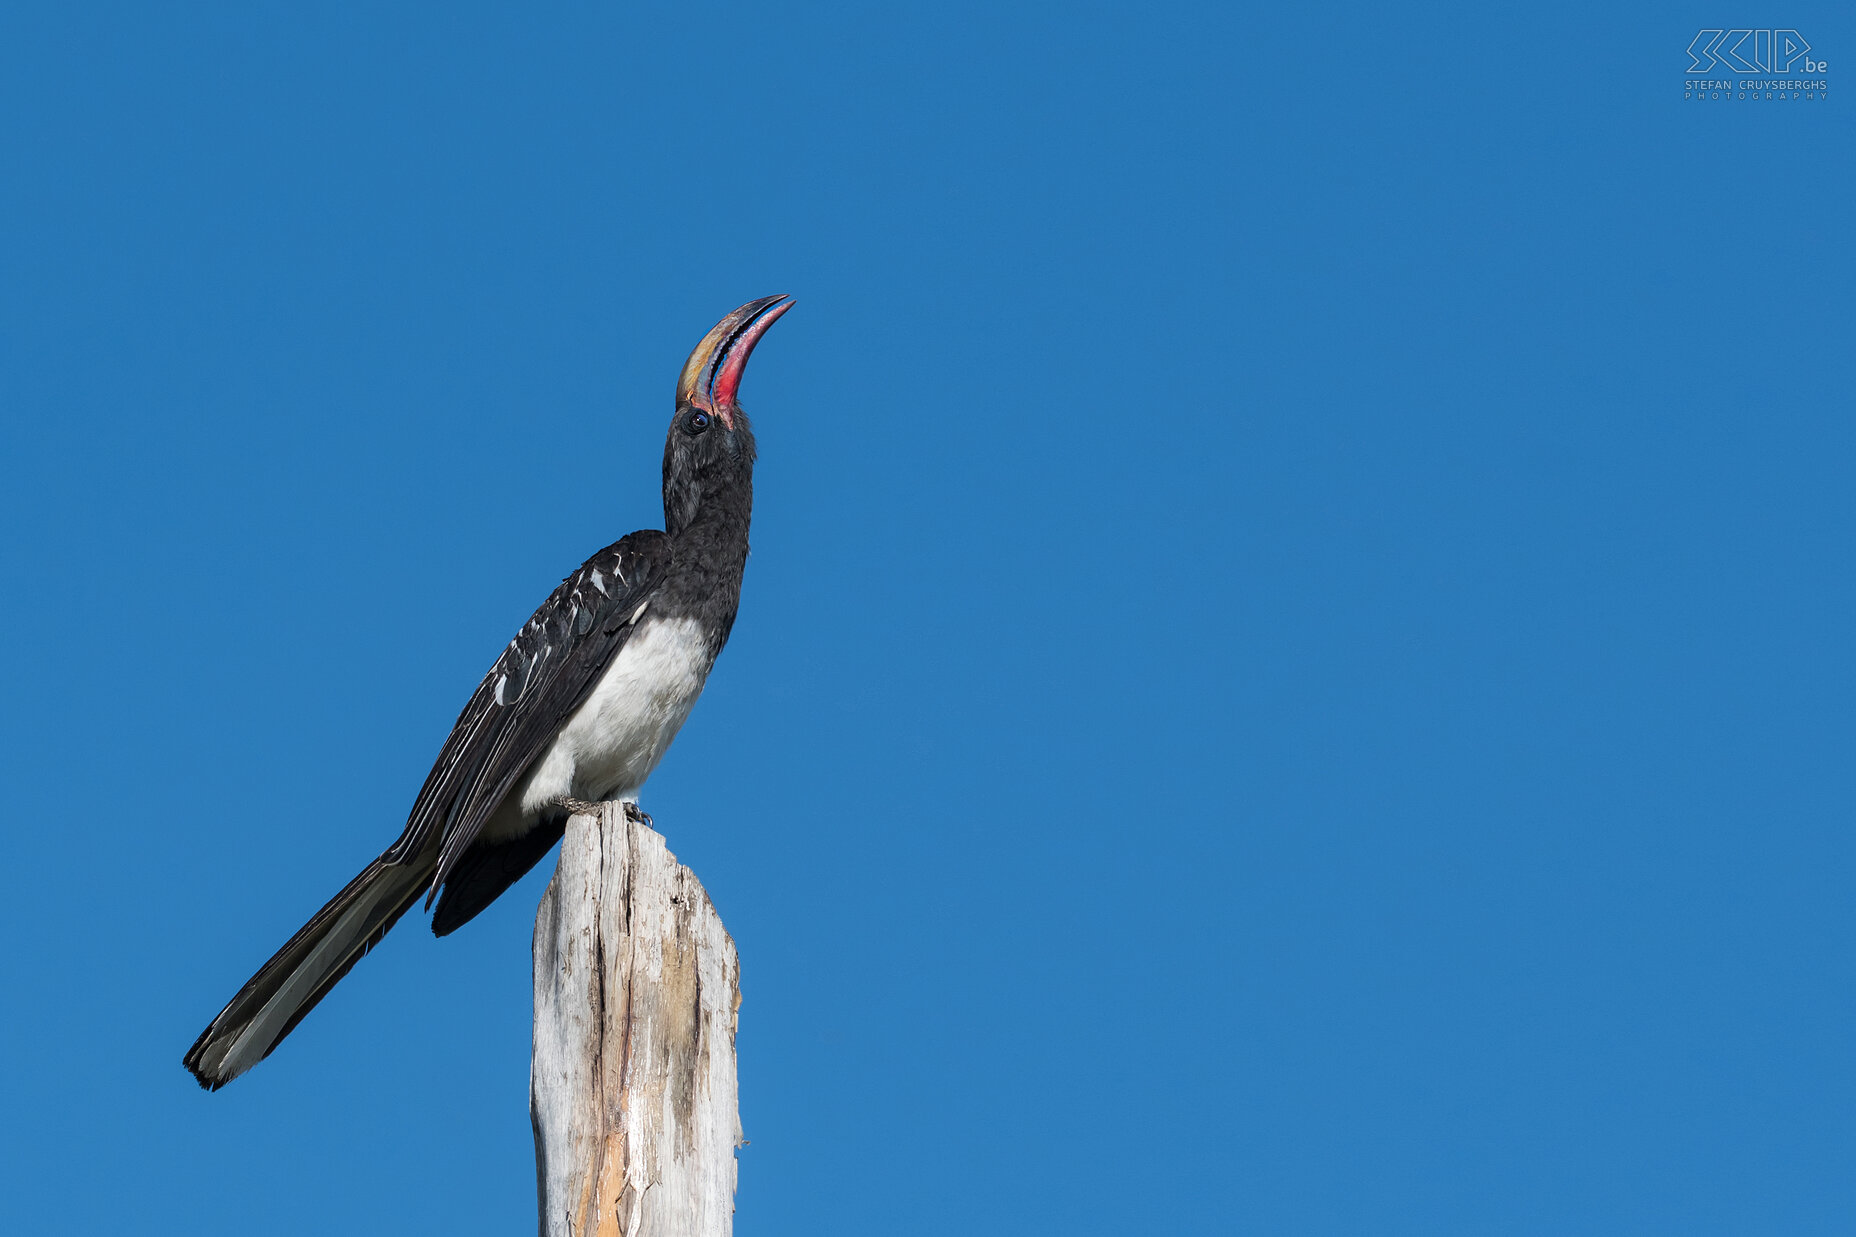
(487, 869)
(300, 974)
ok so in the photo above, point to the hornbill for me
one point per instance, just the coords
(579, 707)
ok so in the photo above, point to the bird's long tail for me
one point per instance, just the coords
(287, 987)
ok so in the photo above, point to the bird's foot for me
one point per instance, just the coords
(580, 807)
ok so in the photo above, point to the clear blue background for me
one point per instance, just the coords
(1296, 675)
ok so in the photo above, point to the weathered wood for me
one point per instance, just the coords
(632, 1078)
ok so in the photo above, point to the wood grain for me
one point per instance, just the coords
(632, 1077)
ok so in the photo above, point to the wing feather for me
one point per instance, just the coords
(539, 680)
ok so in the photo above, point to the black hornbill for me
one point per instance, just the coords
(580, 707)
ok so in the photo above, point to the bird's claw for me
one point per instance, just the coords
(580, 807)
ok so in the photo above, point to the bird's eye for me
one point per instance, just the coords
(696, 422)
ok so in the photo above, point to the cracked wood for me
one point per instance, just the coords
(632, 1077)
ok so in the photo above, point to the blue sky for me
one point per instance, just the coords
(1296, 672)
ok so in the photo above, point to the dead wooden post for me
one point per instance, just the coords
(632, 1078)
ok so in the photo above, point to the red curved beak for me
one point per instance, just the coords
(711, 378)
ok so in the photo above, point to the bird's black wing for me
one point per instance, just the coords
(537, 683)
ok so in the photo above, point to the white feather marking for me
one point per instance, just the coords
(616, 737)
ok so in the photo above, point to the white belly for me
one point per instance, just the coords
(612, 742)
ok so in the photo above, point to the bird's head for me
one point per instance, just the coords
(710, 448)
